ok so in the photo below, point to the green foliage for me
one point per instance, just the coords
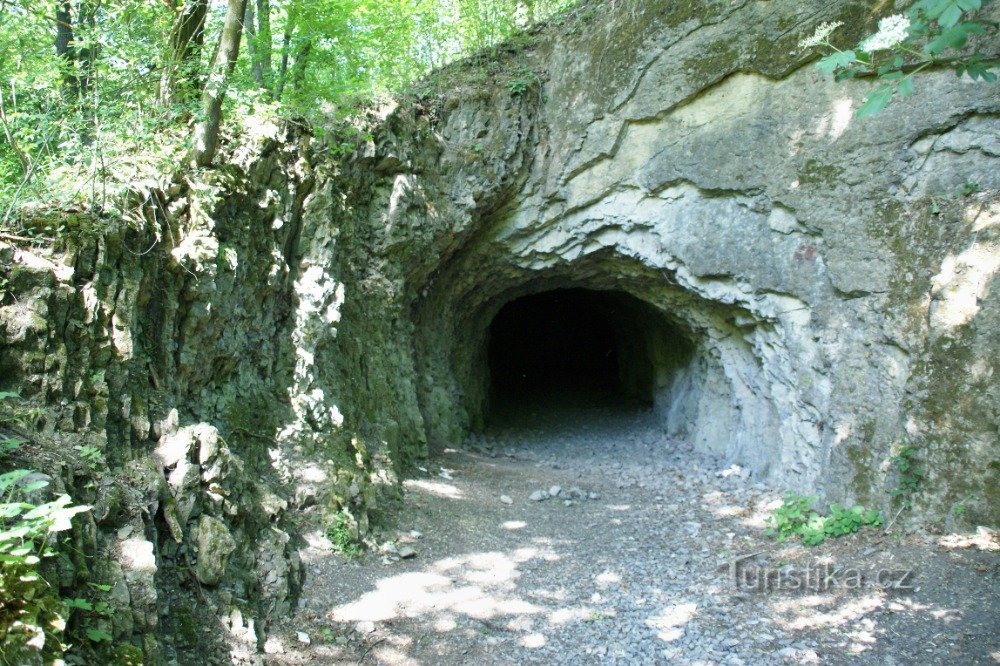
(81, 129)
(91, 455)
(796, 518)
(341, 533)
(910, 475)
(523, 80)
(14, 413)
(969, 188)
(32, 617)
(930, 33)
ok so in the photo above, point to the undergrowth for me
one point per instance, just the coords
(37, 624)
(796, 519)
(341, 534)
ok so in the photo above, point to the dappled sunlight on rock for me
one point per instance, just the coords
(800, 616)
(434, 488)
(719, 505)
(670, 622)
(565, 615)
(984, 539)
(607, 578)
(961, 284)
(477, 585)
(835, 123)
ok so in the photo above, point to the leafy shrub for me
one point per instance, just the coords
(32, 617)
(341, 534)
(796, 518)
(931, 33)
(911, 474)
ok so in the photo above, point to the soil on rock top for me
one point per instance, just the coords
(647, 552)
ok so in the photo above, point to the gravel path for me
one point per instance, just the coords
(630, 562)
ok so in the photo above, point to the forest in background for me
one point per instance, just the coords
(97, 95)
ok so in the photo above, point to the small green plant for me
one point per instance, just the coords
(931, 33)
(523, 81)
(91, 617)
(14, 414)
(969, 188)
(796, 518)
(91, 455)
(7, 445)
(910, 475)
(32, 616)
(340, 533)
(597, 616)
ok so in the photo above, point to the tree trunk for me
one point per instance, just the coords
(301, 58)
(250, 25)
(286, 48)
(264, 38)
(258, 27)
(65, 49)
(206, 131)
(86, 54)
(179, 79)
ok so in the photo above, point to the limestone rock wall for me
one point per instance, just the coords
(822, 267)
(298, 325)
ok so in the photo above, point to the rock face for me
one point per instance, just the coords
(806, 292)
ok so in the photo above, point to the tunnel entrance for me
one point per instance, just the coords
(575, 348)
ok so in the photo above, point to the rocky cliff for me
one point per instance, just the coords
(807, 294)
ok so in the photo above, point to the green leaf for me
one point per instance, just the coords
(61, 520)
(79, 604)
(13, 509)
(977, 70)
(34, 485)
(19, 532)
(954, 38)
(10, 478)
(905, 87)
(970, 5)
(832, 62)
(950, 16)
(875, 102)
(98, 635)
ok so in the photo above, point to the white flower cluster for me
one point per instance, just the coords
(891, 31)
(818, 37)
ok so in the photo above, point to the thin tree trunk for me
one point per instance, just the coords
(206, 131)
(286, 48)
(179, 80)
(264, 38)
(250, 25)
(301, 58)
(22, 157)
(86, 55)
(65, 50)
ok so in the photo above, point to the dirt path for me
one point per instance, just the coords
(632, 562)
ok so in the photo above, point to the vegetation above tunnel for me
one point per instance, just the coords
(100, 95)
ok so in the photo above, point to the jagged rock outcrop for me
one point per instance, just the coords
(809, 290)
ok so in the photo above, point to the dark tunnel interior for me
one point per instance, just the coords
(567, 348)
